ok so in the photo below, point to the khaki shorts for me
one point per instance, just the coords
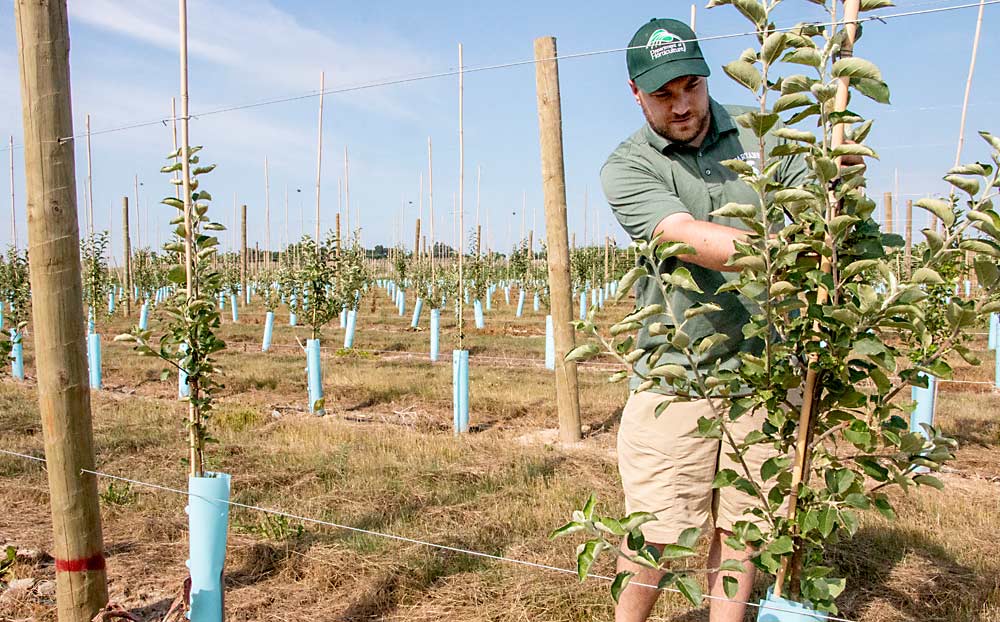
(668, 470)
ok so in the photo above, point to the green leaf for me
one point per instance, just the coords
(670, 372)
(689, 537)
(929, 480)
(725, 477)
(773, 46)
(737, 210)
(993, 141)
(927, 275)
(804, 56)
(730, 585)
(966, 185)
(757, 122)
(942, 209)
(744, 73)
(586, 554)
(875, 90)
(620, 583)
(634, 520)
(690, 588)
(789, 133)
(568, 528)
(681, 277)
(732, 565)
(855, 67)
(871, 5)
(583, 353)
(791, 101)
(781, 546)
(854, 150)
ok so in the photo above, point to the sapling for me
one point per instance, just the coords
(190, 341)
(15, 289)
(96, 278)
(839, 335)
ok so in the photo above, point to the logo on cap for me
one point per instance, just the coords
(663, 42)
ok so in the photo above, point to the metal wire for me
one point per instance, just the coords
(398, 538)
(453, 72)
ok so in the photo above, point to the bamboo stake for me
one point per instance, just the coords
(694, 17)
(810, 391)
(138, 216)
(194, 415)
(336, 219)
(90, 184)
(347, 194)
(173, 125)
(127, 257)
(968, 87)
(459, 296)
(284, 247)
(319, 154)
(57, 308)
(430, 199)
(908, 251)
(267, 216)
(889, 220)
(554, 185)
(244, 259)
(479, 228)
(13, 205)
(416, 240)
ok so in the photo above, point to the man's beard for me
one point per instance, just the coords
(666, 131)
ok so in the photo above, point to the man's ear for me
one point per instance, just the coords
(635, 92)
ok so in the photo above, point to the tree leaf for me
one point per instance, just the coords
(620, 583)
(582, 353)
(730, 585)
(744, 73)
(690, 588)
(942, 209)
(966, 185)
(855, 67)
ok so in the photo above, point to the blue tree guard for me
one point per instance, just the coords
(520, 304)
(17, 355)
(435, 332)
(417, 308)
(537, 304)
(315, 377)
(144, 317)
(460, 389)
(235, 308)
(583, 305)
(268, 330)
(924, 410)
(992, 341)
(773, 609)
(94, 359)
(352, 320)
(208, 522)
(478, 312)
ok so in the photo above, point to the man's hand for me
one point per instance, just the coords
(713, 242)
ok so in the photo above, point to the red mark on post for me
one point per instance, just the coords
(80, 565)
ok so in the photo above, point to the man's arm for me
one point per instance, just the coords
(713, 242)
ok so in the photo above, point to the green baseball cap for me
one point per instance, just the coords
(662, 50)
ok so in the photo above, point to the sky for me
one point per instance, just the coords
(124, 71)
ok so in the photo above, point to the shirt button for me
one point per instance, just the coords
(708, 171)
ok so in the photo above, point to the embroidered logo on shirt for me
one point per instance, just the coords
(753, 159)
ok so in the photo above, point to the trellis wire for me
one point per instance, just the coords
(398, 538)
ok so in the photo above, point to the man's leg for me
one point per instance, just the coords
(722, 611)
(636, 601)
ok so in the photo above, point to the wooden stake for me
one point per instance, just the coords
(336, 218)
(127, 257)
(908, 250)
(57, 308)
(319, 154)
(244, 260)
(267, 216)
(90, 184)
(347, 195)
(430, 198)
(459, 296)
(694, 17)
(479, 228)
(607, 258)
(138, 216)
(416, 240)
(887, 199)
(13, 205)
(968, 87)
(810, 391)
(554, 185)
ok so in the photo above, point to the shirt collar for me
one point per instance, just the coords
(721, 123)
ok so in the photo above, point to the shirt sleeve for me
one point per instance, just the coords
(638, 196)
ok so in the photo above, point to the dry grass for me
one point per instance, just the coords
(385, 460)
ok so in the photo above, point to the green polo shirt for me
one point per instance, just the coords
(648, 178)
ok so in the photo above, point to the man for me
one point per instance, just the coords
(664, 181)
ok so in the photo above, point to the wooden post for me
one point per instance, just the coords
(968, 88)
(531, 244)
(607, 259)
(57, 308)
(889, 220)
(347, 195)
(127, 259)
(243, 252)
(908, 250)
(479, 227)
(336, 226)
(554, 186)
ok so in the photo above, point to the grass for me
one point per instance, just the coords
(385, 460)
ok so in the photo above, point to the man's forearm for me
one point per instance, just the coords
(713, 242)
